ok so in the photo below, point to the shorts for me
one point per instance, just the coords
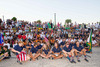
(56, 54)
(33, 54)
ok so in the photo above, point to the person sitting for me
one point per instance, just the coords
(56, 51)
(15, 43)
(62, 43)
(6, 43)
(28, 47)
(39, 47)
(94, 43)
(45, 52)
(52, 41)
(85, 46)
(67, 50)
(79, 49)
(34, 53)
(5, 53)
(19, 49)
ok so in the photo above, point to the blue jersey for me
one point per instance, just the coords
(30, 46)
(33, 50)
(67, 49)
(39, 47)
(62, 43)
(72, 45)
(18, 48)
(56, 50)
(46, 51)
(78, 48)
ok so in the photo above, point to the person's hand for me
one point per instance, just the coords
(5, 54)
(18, 52)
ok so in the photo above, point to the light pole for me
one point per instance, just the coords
(55, 18)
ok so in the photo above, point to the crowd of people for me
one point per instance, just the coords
(47, 40)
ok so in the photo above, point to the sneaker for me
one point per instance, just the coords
(73, 61)
(78, 60)
(52, 58)
(49, 57)
(20, 63)
(86, 60)
(17, 61)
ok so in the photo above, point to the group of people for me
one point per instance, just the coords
(57, 51)
(46, 40)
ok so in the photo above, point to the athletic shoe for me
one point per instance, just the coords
(52, 58)
(49, 57)
(86, 60)
(19, 62)
(78, 60)
(73, 61)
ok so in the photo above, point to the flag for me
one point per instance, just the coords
(1, 39)
(89, 42)
(22, 56)
(46, 40)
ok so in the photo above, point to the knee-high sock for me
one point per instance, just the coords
(68, 58)
(85, 56)
(72, 58)
(77, 57)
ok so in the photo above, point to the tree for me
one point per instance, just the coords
(38, 21)
(14, 18)
(68, 21)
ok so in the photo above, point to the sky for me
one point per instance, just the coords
(80, 11)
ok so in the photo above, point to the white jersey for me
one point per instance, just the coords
(7, 45)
